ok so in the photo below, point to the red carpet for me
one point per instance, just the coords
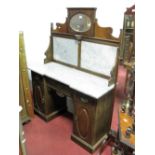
(54, 137)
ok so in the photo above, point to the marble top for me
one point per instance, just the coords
(83, 82)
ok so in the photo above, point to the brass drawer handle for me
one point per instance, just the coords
(84, 100)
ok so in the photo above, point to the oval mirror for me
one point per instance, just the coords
(80, 23)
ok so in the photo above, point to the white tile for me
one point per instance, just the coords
(65, 50)
(98, 57)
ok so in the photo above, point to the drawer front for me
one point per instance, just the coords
(59, 87)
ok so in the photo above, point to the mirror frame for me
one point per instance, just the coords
(90, 12)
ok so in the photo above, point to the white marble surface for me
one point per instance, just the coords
(98, 57)
(65, 50)
(83, 82)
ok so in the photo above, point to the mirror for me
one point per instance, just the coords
(80, 23)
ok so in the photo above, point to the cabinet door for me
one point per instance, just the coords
(84, 118)
(38, 93)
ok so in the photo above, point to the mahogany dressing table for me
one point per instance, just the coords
(81, 62)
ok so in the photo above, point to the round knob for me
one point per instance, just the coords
(128, 132)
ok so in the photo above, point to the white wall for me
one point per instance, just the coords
(35, 18)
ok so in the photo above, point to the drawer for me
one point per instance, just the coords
(59, 87)
(85, 99)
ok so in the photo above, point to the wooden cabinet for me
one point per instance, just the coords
(92, 119)
(127, 49)
(81, 62)
(46, 101)
(25, 97)
(92, 116)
